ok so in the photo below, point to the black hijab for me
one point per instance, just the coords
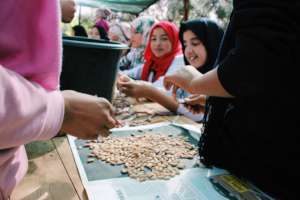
(79, 31)
(102, 33)
(210, 35)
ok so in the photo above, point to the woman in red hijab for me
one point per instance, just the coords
(163, 56)
(161, 50)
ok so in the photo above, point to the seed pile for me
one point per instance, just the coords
(145, 157)
(124, 112)
(121, 104)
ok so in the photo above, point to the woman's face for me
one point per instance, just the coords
(94, 33)
(136, 38)
(160, 43)
(113, 37)
(195, 51)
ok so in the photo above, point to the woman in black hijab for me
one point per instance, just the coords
(209, 34)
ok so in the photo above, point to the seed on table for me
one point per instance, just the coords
(90, 160)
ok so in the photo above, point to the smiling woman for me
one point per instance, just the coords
(195, 51)
(161, 50)
(160, 43)
(163, 56)
(201, 39)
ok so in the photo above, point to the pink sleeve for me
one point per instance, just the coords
(27, 111)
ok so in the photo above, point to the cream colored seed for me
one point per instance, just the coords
(145, 157)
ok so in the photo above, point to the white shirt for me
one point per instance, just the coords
(178, 62)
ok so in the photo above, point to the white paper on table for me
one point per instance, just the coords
(191, 184)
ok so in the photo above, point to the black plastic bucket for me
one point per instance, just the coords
(90, 65)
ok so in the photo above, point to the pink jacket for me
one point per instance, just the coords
(31, 108)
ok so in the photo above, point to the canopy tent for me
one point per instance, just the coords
(126, 6)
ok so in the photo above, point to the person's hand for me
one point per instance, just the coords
(181, 79)
(121, 78)
(195, 103)
(87, 116)
(134, 88)
(195, 99)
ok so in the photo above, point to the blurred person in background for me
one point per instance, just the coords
(79, 30)
(134, 60)
(102, 15)
(68, 9)
(120, 32)
(98, 33)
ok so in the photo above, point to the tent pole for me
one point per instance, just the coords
(186, 10)
(79, 19)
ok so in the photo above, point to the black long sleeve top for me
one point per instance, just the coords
(256, 136)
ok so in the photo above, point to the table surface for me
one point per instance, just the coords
(52, 172)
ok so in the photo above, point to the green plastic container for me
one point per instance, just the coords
(90, 66)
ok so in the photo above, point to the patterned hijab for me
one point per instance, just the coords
(122, 30)
(135, 57)
(210, 35)
(161, 65)
(143, 26)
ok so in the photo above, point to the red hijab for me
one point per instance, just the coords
(161, 65)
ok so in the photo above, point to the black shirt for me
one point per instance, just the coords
(255, 134)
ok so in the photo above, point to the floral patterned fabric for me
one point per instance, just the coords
(135, 57)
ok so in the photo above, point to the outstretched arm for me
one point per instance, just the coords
(159, 96)
(29, 112)
(143, 89)
(190, 79)
(208, 84)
